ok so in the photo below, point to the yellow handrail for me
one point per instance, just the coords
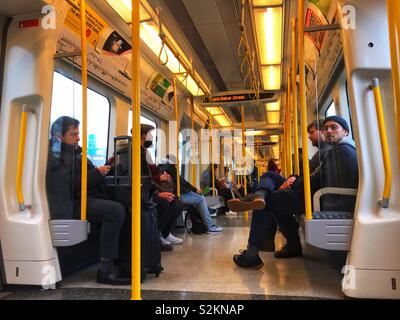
(393, 9)
(289, 122)
(294, 101)
(21, 157)
(136, 161)
(303, 110)
(212, 156)
(178, 176)
(384, 203)
(84, 110)
(194, 177)
(246, 214)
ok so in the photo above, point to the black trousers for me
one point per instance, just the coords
(280, 206)
(111, 216)
(167, 213)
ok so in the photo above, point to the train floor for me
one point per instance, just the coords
(202, 269)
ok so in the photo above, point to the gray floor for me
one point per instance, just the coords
(202, 268)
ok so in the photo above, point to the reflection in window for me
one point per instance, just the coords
(331, 111)
(67, 101)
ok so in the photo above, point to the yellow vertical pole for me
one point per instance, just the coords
(393, 9)
(289, 133)
(294, 100)
(303, 110)
(84, 111)
(136, 168)
(178, 176)
(194, 143)
(246, 214)
(259, 167)
(212, 156)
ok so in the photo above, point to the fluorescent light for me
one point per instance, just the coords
(268, 23)
(124, 9)
(266, 3)
(223, 120)
(256, 133)
(274, 138)
(219, 115)
(149, 35)
(273, 117)
(214, 110)
(273, 106)
(271, 77)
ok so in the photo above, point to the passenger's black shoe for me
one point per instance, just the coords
(115, 277)
(247, 203)
(268, 245)
(243, 260)
(125, 268)
(165, 247)
(288, 252)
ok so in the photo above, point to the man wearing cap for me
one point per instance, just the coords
(338, 168)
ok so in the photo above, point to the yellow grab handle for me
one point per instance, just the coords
(384, 203)
(21, 157)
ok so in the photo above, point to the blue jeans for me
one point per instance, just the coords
(199, 202)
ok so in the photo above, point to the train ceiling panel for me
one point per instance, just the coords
(14, 8)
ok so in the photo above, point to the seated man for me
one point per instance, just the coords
(64, 171)
(338, 169)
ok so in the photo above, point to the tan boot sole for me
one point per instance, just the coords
(238, 205)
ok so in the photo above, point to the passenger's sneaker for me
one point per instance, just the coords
(231, 213)
(164, 241)
(288, 252)
(244, 261)
(214, 228)
(173, 240)
(250, 202)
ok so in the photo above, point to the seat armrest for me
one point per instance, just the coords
(330, 190)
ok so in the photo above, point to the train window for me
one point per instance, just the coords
(331, 111)
(67, 101)
(145, 120)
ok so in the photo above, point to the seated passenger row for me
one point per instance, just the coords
(63, 183)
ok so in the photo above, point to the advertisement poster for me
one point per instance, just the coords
(94, 23)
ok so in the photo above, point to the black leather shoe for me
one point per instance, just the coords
(268, 245)
(115, 277)
(166, 247)
(243, 260)
(288, 252)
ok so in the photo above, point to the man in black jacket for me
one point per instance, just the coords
(64, 171)
(338, 168)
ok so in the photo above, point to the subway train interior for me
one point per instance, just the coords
(269, 143)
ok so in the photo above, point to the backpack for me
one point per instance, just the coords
(198, 226)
